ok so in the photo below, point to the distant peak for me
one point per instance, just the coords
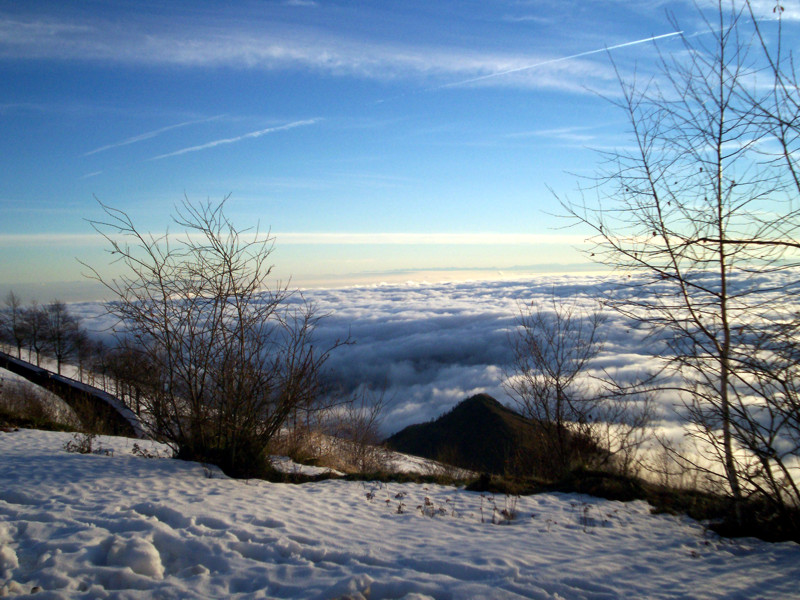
(481, 399)
(478, 401)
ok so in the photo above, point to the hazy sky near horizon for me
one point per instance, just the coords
(370, 137)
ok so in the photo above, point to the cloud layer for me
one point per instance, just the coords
(273, 45)
(431, 345)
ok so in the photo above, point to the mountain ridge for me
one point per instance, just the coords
(479, 434)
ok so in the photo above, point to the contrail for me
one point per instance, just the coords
(149, 134)
(252, 134)
(557, 60)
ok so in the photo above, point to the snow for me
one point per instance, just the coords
(284, 464)
(118, 525)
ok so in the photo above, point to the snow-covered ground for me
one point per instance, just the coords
(124, 526)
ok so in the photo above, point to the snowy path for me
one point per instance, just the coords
(122, 526)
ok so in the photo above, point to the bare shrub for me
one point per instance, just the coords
(28, 402)
(86, 443)
(23, 401)
(227, 357)
(581, 421)
(81, 443)
(354, 427)
(302, 442)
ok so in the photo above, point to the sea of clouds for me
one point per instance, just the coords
(431, 345)
(428, 346)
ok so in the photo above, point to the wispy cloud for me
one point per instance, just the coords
(90, 175)
(150, 134)
(273, 46)
(528, 19)
(13, 240)
(566, 134)
(252, 134)
(766, 9)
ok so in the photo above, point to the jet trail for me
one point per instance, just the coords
(252, 134)
(557, 60)
(149, 135)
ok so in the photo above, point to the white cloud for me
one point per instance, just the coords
(766, 9)
(272, 44)
(432, 345)
(282, 46)
(565, 134)
(11, 240)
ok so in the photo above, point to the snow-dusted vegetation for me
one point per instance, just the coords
(119, 525)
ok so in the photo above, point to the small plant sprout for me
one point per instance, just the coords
(509, 513)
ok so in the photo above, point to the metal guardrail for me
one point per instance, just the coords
(98, 411)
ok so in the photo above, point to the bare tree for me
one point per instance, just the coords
(84, 351)
(227, 359)
(130, 372)
(553, 347)
(355, 430)
(702, 220)
(14, 322)
(35, 326)
(49, 329)
(62, 332)
(767, 416)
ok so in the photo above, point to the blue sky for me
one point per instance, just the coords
(373, 138)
